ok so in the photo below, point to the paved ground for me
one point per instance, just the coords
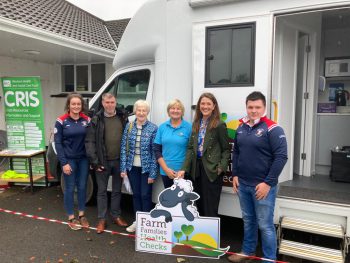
(27, 240)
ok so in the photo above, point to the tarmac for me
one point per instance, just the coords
(30, 240)
(24, 239)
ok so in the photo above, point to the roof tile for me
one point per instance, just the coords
(116, 28)
(64, 18)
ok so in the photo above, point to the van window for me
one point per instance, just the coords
(128, 88)
(230, 54)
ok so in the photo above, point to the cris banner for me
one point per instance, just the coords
(24, 119)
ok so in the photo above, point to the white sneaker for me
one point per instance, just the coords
(131, 228)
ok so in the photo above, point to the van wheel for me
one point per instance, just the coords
(91, 190)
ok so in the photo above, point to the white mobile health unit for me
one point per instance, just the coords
(182, 48)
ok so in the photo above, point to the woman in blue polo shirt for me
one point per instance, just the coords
(171, 141)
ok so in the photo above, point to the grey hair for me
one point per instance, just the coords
(144, 103)
(108, 96)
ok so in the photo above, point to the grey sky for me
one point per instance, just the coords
(109, 9)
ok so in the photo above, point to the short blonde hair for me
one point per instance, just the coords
(176, 102)
(139, 103)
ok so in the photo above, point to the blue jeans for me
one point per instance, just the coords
(142, 191)
(258, 214)
(78, 178)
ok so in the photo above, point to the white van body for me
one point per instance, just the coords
(168, 38)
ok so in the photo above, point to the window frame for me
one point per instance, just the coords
(75, 77)
(252, 26)
(97, 103)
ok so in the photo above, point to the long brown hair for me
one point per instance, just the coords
(214, 118)
(70, 97)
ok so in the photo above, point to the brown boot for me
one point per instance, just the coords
(120, 222)
(101, 226)
(240, 257)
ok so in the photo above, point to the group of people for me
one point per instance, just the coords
(139, 150)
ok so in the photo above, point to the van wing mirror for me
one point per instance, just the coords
(91, 112)
(129, 109)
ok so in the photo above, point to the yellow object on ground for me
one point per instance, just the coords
(10, 174)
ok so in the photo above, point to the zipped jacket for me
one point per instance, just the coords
(95, 138)
(259, 152)
(69, 136)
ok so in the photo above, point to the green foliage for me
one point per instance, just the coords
(178, 235)
(187, 229)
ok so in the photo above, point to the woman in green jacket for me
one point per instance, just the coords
(207, 155)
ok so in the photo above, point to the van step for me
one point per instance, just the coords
(310, 252)
(314, 227)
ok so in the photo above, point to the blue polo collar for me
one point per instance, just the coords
(168, 123)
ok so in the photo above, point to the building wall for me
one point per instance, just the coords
(50, 83)
(109, 70)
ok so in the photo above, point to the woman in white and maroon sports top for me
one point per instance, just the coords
(69, 135)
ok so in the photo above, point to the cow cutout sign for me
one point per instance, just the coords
(174, 226)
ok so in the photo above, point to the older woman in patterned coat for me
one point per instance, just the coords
(138, 160)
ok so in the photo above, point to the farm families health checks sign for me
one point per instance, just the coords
(174, 226)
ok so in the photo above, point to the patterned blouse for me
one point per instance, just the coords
(201, 135)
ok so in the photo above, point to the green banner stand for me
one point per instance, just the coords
(24, 118)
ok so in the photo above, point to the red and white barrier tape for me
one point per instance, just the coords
(134, 236)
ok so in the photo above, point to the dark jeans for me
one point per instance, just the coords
(208, 203)
(142, 191)
(111, 169)
(77, 178)
(167, 182)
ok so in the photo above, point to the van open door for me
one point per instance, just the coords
(293, 89)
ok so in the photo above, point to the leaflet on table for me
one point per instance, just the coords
(19, 152)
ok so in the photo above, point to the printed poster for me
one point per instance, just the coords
(24, 119)
(232, 123)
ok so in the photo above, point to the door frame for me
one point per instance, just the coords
(312, 83)
(300, 114)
